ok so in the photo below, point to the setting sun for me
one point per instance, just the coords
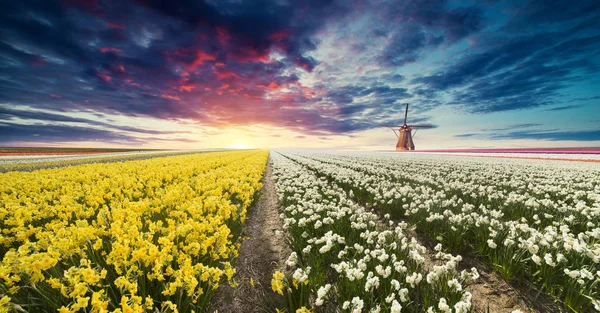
(239, 145)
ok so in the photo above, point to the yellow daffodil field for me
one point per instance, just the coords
(155, 235)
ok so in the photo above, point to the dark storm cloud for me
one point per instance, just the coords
(350, 110)
(514, 69)
(256, 25)
(355, 114)
(164, 59)
(382, 94)
(43, 25)
(424, 25)
(406, 45)
(536, 14)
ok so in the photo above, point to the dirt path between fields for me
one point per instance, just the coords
(261, 253)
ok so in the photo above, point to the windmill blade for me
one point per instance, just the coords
(391, 126)
(421, 126)
(406, 114)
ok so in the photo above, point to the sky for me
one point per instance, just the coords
(299, 74)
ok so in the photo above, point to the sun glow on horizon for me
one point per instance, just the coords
(239, 146)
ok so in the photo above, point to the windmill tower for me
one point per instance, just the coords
(405, 135)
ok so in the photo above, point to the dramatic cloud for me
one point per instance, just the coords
(522, 65)
(314, 67)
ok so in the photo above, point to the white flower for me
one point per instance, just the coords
(395, 284)
(573, 274)
(536, 259)
(307, 249)
(453, 283)
(596, 304)
(403, 294)
(346, 305)
(462, 307)
(372, 283)
(414, 279)
(318, 224)
(292, 260)
(548, 259)
(357, 305)
(390, 298)
(301, 275)
(396, 307)
(492, 244)
(474, 273)
(443, 305)
(322, 294)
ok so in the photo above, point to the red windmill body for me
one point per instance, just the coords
(405, 136)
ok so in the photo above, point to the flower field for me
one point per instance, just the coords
(348, 259)
(33, 162)
(535, 223)
(374, 232)
(153, 235)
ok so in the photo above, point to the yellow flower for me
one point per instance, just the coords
(4, 301)
(98, 302)
(171, 306)
(81, 303)
(149, 303)
(303, 310)
(277, 282)
(64, 310)
(98, 244)
(162, 221)
(251, 282)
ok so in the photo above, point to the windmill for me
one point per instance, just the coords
(405, 138)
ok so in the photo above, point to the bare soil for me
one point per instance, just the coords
(261, 253)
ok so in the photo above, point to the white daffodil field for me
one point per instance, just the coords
(352, 221)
